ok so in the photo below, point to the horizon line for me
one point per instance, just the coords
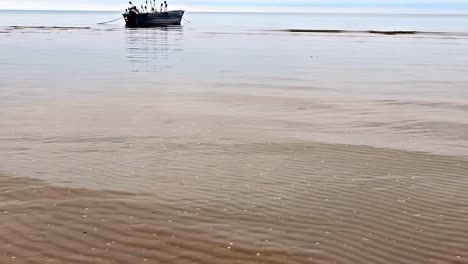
(267, 12)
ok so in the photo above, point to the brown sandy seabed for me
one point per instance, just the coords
(174, 185)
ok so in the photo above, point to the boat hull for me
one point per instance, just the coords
(169, 18)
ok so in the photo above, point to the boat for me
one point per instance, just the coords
(139, 20)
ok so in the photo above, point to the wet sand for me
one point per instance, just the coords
(181, 182)
(257, 203)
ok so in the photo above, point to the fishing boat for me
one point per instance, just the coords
(138, 20)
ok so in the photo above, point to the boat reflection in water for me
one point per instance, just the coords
(154, 49)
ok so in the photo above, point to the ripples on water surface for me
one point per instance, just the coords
(238, 138)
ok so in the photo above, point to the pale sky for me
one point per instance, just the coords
(386, 6)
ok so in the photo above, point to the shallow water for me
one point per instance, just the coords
(234, 139)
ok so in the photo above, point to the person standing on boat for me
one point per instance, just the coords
(161, 8)
(165, 7)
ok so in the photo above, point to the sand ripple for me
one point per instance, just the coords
(256, 203)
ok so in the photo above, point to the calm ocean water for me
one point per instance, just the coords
(234, 48)
(232, 139)
(399, 91)
(237, 52)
